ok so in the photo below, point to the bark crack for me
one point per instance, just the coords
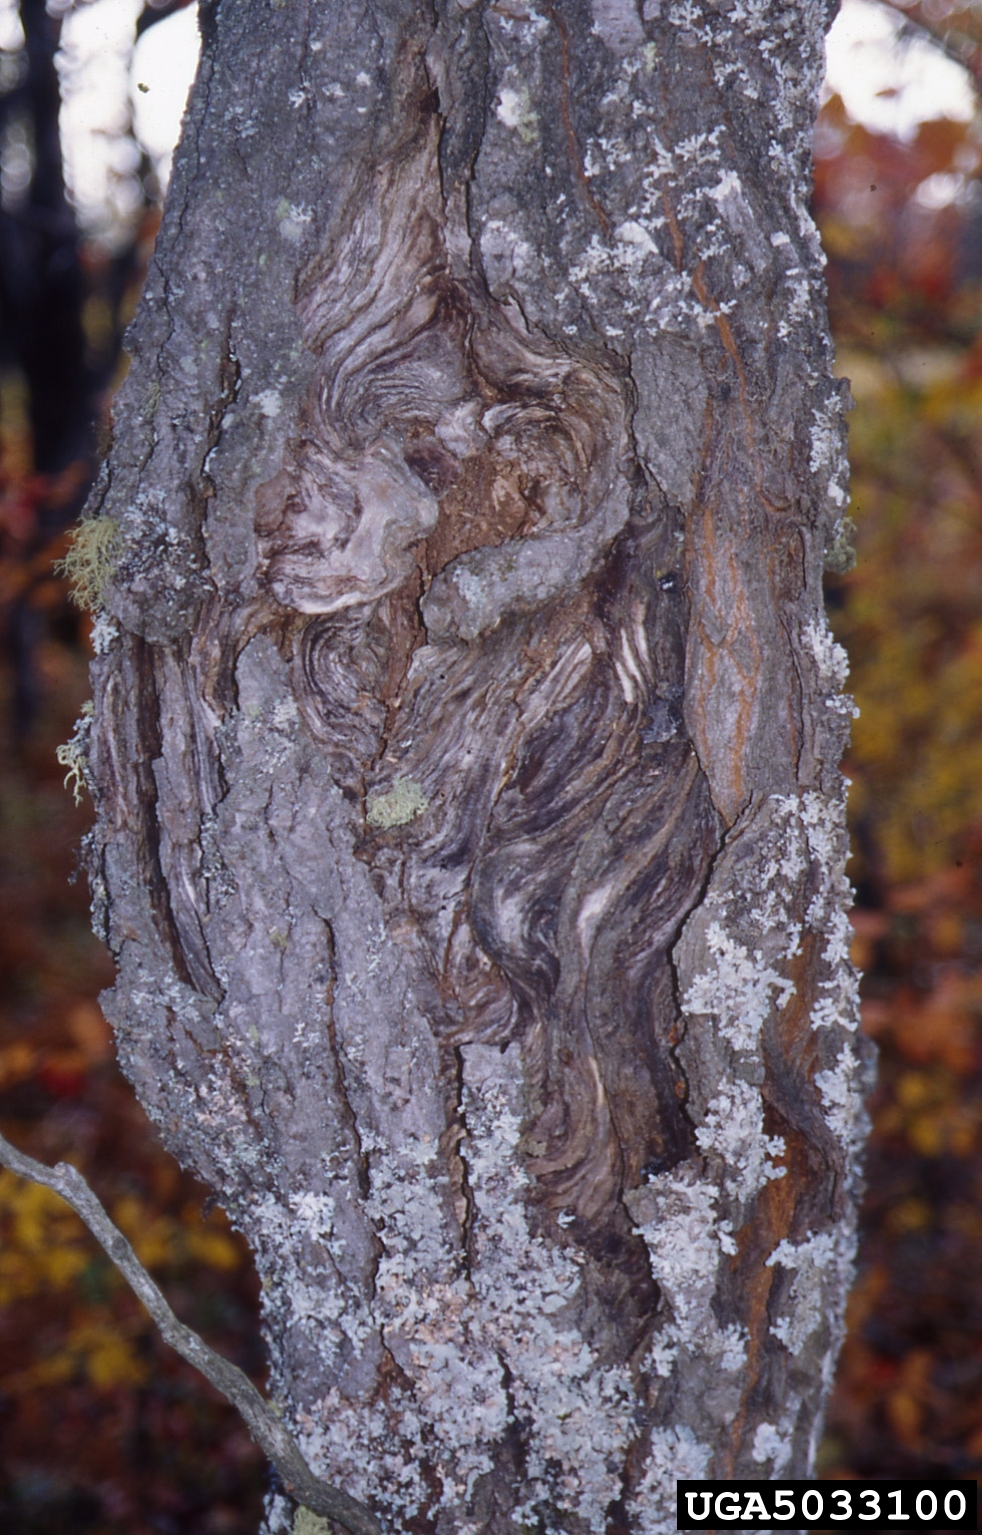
(576, 158)
(464, 1203)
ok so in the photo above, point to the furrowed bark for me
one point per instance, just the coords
(470, 826)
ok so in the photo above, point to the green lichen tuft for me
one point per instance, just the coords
(91, 560)
(840, 556)
(402, 802)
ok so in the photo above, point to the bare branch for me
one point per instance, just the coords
(272, 1438)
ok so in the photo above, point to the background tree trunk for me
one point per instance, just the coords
(470, 827)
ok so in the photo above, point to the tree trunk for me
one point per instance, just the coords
(470, 826)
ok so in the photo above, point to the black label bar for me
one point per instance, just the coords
(799, 1505)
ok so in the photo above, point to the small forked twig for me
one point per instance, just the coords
(267, 1431)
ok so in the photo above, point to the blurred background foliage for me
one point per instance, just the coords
(102, 1429)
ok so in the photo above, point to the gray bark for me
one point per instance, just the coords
(470, 829)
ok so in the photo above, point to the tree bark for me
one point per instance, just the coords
(470, 832)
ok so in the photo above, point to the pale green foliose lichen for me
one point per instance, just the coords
(404, 801)
(306, 1522)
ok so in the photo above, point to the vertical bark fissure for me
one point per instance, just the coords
(575, 157)
(457, 1132)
